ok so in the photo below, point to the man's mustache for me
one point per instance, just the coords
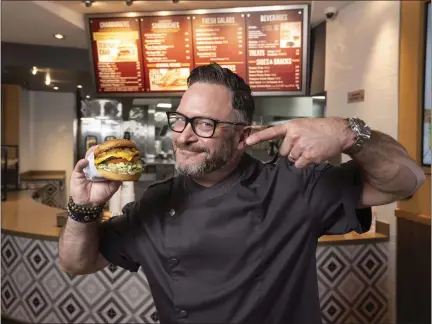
(190, 148)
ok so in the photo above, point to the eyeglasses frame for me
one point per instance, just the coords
(192, 119)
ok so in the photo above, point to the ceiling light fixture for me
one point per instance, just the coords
(47, 79)
(164, 105)
(55, 88)
(34, 70)
(88, 97)
(79, 86)
(88, 3)
(129, 2)
(59, 36)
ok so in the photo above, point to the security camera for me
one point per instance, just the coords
(330, 13)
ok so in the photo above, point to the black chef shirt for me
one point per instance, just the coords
(242, 251)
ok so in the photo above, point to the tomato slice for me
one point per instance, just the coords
(118, 161)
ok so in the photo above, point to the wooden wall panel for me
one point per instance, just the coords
(10, 114)
(411, 71)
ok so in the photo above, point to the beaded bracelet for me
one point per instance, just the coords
(83, 214)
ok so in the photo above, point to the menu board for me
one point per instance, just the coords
(220, 38)
(167, 50)
(155, 53)
(117, 54)
(274, 41)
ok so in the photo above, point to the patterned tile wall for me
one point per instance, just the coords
(51, 193)
(352, 287)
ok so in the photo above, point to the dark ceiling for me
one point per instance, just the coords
(65, 80)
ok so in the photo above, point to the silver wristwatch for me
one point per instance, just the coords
(363, 134)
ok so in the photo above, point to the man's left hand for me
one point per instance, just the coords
(308, 140)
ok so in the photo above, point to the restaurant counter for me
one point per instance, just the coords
(352, 275)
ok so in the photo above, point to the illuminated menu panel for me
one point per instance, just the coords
(274, 42)
(117, 55)
(167, 50)
(220, 38)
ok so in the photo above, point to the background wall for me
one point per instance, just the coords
(362, 46)
(46, 131)
(287, 107)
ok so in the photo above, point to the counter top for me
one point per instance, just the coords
(418, 218)
(42, 175)
(23, 216)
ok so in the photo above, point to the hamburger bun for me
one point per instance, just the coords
(119, 177)
(114, 143)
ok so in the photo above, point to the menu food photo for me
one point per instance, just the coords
(275, 50)
(117, 55)
(167, 49)
(156, 53)
(220, 38)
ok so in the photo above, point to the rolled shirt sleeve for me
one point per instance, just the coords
(117, 239)
(333, 195)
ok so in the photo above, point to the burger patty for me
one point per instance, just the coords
(114, 159)
(127, 154)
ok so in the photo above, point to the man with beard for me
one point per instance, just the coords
(230, 239)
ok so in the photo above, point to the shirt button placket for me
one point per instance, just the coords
(182, 314)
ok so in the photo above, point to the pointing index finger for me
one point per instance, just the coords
(270, 133)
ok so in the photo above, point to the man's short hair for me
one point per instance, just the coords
(242, 100)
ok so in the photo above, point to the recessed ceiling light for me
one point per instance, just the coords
(59, 36)
(88, 97)
(55, 88)
(88, 3)
(79, 86)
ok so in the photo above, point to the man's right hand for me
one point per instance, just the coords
(87, 193)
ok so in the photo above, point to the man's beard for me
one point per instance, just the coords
(209, 163)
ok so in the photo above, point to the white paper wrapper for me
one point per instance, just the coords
(90, 170)
(115, 206)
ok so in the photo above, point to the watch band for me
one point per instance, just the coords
(363, 134)
(83, 214)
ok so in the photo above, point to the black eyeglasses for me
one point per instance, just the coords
(202, 126)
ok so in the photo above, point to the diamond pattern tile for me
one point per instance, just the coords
(36, 303)
(133, 292)
(114, 273)
(147, 314)
(370, 264)
(353, 287)
(21, 242)
(9, 254)
(22, 278)
(93, 288)
(370, 308)
(111, 311)
(334, 310)
(8, 295)
(51, 317)
(53, 283)
(19, 314)
(71, 309)
(36, 258)
(332, 266)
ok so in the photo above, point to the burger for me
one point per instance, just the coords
(126, 52)
(118, 159)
